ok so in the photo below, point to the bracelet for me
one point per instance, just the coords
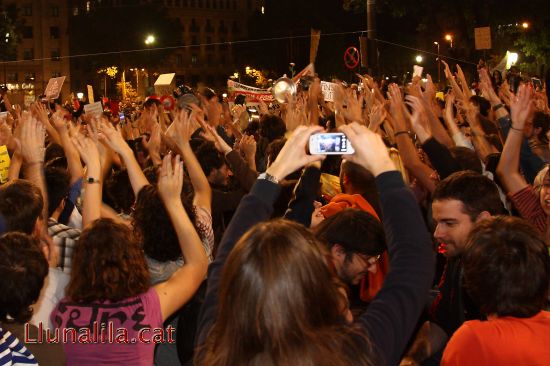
(91, 180)
(497, 107)
(408, 133)
(517, 129)
(268, 177)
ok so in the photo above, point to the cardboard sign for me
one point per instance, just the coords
(90, 94)
(483, 38)
(328, 90)
(4, 164)
(94, 109)
(164, 84)
(53, 89)
(417, 71)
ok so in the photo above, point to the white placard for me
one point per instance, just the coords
(328, 90)
(94, 109)
(417, 71)
(53, 89)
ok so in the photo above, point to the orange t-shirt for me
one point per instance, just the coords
(501, 341)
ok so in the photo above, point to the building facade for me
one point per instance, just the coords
(42, 51)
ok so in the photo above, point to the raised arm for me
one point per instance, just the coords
(183, 284)
(392, 315)
(74, 164)
(183, 129)
(114, 140)
(508, 167)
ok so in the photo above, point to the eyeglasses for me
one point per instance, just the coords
(369, 259)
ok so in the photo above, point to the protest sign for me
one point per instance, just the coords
(94, 109)
(53, 89)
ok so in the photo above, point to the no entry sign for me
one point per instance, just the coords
(351, 58)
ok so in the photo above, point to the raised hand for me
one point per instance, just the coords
(32, 140)
(247, 146)
(370, 151)
(88, 150)
(521, 106)
(293, 155)
(170, 179)
(377, 116)
(419, 119)
(113, 138)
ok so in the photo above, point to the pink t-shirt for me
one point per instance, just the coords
(106, 333)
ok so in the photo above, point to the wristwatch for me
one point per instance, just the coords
(90, 180)
(268, 177)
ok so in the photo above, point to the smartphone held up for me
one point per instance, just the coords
(330, 144)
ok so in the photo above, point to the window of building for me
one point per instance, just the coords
(179, 60)
(29, 76)
(235, 28)
(54, 32)
(223, 28)
(27, 10)
(54, 11)
(208, 40)
(209, 27)
(11, 77)
(194, 27)
(28, 54)
(194, 59)
(194, 40)
(56, 74)
(27, 32)
(75, 11)
(55, 54)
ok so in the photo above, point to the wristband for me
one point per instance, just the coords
(408, 133)
(91, 180)
(517, 129)
(268, 177)
(497, 107)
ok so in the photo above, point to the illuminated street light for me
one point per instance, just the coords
(150, 39)
(419, 59)
(525, 25)
(449, 38)
(80, 95)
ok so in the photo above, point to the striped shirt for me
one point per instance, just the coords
(526, 201)
(12, 352)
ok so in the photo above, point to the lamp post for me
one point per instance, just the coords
(438, 64)
(149, 41)
(449, 38)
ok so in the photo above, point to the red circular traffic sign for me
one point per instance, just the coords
(351, 58)
(168, 102)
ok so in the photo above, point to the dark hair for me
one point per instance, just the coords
(153, 227)
(542, 120)
(119, 190)
(507, 267)
(355, 230)
(483, 104)
(58, 184)
(209, 158)
(53, 151)
(272, 127)
(23, 269)
(108, 264)
(273, 149)
(278, 274)
(476, 192)
(21, 204)
(362, 181)
(466, 158)
(150, 102)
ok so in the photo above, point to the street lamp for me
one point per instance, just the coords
(449, 38)
(419, 59)
(150, 39)
(438, 64)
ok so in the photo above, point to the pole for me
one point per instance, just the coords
(124, 84)
(438, 65)
(371, 34)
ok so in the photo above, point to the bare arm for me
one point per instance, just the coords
(74, 164)
(181, 286)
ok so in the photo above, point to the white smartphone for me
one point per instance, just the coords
(330, 144)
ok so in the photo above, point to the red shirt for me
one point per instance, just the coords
(501, 341)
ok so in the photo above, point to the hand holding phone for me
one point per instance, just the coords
(330, 144)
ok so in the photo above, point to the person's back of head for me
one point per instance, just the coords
(356, 231)
(476, 192)
(466, 158)
(541, 124)
(23, 269)
(119, 191)
(355, 179)
(108, 264)
(507, 267)
(153, 227)
(483, 104)
(272, 127)
(58, 184)
(21, 204)
(209, 158)
(273, 149)
(280, 304)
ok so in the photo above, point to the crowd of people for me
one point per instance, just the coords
(202, 236)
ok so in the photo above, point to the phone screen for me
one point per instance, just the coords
(121, 116)
(330, 143)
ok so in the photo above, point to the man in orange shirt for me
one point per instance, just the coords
(506, 271)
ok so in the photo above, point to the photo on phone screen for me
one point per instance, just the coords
(121, 116)
(329, 144)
